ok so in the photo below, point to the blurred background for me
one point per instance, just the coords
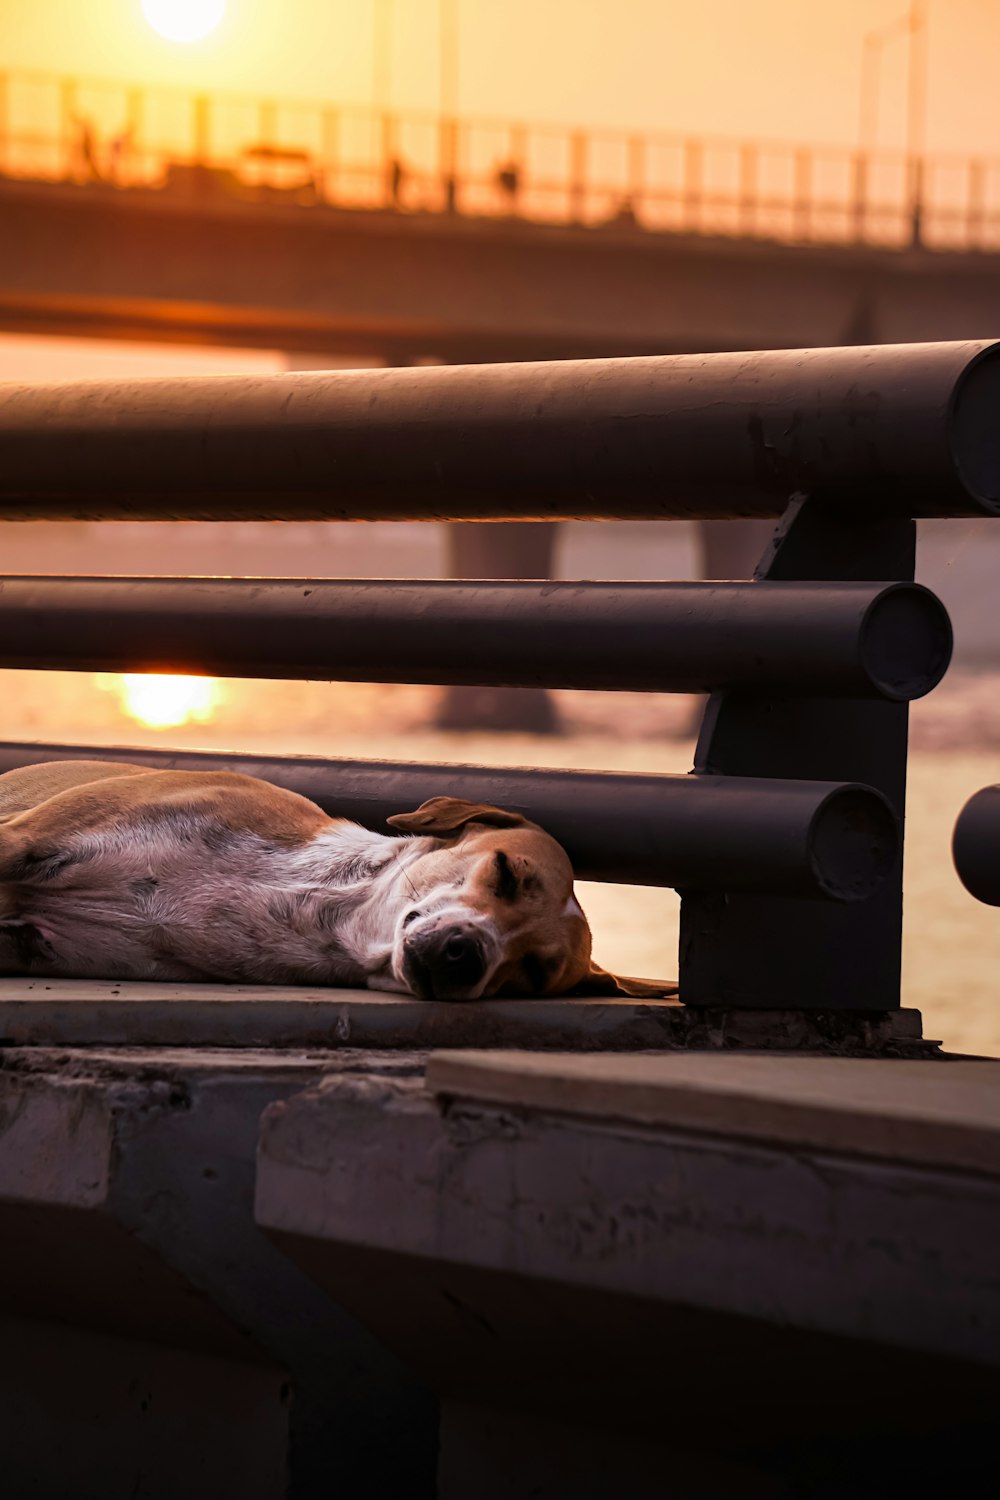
(217, 186)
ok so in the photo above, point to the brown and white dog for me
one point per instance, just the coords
(119, 872)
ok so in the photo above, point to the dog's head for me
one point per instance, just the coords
(490, 910)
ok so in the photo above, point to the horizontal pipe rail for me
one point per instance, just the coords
(795, 838)
(976, 845)
(905, 429)
(887, 640)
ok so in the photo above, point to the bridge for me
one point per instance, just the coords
(322, 231)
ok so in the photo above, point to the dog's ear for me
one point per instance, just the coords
(449, 814)
(600, 982)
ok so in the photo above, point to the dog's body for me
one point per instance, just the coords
(118, 872)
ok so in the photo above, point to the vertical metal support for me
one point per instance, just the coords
(202, 143)
(577, 176)
(134, 129)
(448, 148)
(331, 153)
(636, 172)
(68, 126)
(859, 207)
(389, 170)
(917, 179)
(693, 184)
(5, 123)
(748, 190)
(784, 952)
(976, 204)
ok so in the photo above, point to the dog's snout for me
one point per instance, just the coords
(450, 963)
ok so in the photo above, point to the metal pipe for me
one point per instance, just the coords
(904, 429)
(796, 838)
(851, 639)
(976, 845)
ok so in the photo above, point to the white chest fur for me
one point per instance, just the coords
(186, 897)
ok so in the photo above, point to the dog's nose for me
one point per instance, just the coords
(451, 962)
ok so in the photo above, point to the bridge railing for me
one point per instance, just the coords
(786, 841)
(225, 148)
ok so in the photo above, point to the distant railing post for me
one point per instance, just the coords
(331, 152)
(859, 206)
(578, 176)
(693, 184)
(748, 190)
(976, 203)
(636, 173)
(5, 122)
(448, 147)
(916, 175)
(802, 188)
(202, 143)
(70, 128)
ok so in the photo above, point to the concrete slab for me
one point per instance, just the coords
(185, 1347)
(89, 1013)
(941, 1112)
(707, 1290)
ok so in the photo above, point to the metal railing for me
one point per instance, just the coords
(786, 841)
(976, 845)
(229, 148)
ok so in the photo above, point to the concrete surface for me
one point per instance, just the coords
(940, 1113)
(574, 1286)
(156, 1345)
(73, 1013)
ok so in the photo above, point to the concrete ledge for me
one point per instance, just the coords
(701, 1284)
(88, 1013)
(158, 1345)
(930, 1113)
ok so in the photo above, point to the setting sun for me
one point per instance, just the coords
(163, 701)
(184, 20)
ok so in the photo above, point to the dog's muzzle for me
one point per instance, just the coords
(446, 964)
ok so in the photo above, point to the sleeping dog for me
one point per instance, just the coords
(112, 871)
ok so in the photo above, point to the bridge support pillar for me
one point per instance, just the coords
(511, 549)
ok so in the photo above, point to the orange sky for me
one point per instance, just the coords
(778, 69)
(758, 68)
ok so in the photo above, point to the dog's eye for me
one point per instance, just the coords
(411, 916)
(506, 880)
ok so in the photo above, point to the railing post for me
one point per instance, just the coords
(70, 127)
(202, 131)
(448, 146)
(636, 172)
(748, 190)
(693, 184)
(802, 189)
(578, 176)
(5, 122)
(860, 194)
(975, 213)
(917, 178)
(331, 153)
(765, 951)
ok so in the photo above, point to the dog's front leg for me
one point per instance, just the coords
(385, 979)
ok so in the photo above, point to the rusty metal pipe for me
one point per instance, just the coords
(904, 429)
(798, 838)
(853, 639)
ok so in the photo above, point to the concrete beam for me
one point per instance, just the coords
(154, 1342)
(142, 264)
(576, 1286)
